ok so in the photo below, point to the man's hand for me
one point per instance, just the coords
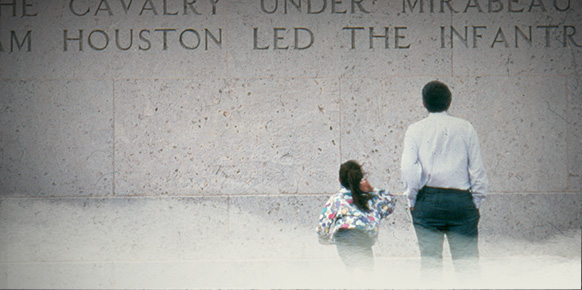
(412, 209)
(365, 186)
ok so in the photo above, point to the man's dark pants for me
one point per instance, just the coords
(439, 212)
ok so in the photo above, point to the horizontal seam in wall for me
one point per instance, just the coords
(508, 193)
(299, 77)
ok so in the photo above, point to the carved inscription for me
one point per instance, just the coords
(397, 33)
(302, 38)
(139, 8)
(14, 8)
(484, 6)
(188, 39)
(313, 6)
(543, 32)
(518, 36)
(18, 42)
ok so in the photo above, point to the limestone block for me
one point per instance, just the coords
(397, 238)
(226, 136)
(56, 138)
(522, 129)
(531, 224)
(574, 118)
(114, 229)
(276, 227)
(531, 216)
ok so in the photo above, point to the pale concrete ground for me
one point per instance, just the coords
(534, 272)
(264, 242)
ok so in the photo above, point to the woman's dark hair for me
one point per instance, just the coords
(436, 97)
(351, 175)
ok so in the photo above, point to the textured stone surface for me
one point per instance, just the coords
(521, 124)
(531, 224)
(133, 156)
(141, 48)
(56, 138)
(111, 229)
(522, 129)
(375, 115)
(575, 133)
(341, 41)
(244, 136)
(281, 227)
(496, 47)
(139, 51)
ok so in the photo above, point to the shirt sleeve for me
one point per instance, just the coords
(327, 219)
(410, 168)
(477, 173)
(385, 203)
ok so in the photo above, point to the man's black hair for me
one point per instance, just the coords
(436, 97)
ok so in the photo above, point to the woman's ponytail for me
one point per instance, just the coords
(351, 176)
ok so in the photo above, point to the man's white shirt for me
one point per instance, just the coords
(443, 151)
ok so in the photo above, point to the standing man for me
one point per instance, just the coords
(445, 182)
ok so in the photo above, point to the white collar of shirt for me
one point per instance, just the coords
(438, 114)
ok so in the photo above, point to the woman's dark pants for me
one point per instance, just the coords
(355, 249)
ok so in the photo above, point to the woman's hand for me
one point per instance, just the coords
(365, 186)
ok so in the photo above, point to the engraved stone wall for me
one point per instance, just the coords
(141, 130)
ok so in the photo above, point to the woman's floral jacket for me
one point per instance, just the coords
(340, 212)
